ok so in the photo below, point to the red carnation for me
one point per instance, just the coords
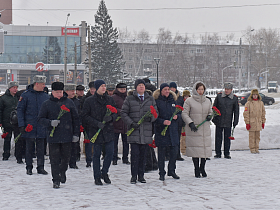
(183, 134)
(63, 107)
(29, 128)
(216, 110)
(86, 141)
(112, 109)
(153, 111)
(81, 128)
(153, 144)
(4, 135)
(179, 107)
(231, 138)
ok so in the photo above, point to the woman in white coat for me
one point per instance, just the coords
(198, 140)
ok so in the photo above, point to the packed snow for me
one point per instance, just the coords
(247, 181)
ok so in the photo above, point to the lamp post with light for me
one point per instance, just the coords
(157, 62)
(65, 50)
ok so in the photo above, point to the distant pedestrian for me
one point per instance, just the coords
(228, 105)
(66, 130)
(186, 94)
(80, 91)
(254, 117)
(110, 89)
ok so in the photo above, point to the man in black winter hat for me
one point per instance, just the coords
(66, 131)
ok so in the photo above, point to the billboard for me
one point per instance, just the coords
(70, 31)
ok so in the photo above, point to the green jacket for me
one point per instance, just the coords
(7, 104)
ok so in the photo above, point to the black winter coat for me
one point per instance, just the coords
(7, 104)
(28, 108)
(228, 108)
(78, 107)
(119, 126)
(69, 125)
(180, 101)
(94, 110)
(166, 108)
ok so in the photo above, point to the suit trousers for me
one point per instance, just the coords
(138, 153)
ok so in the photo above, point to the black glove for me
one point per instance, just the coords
(107, 118)
(147, 119)
(22, 130)
(192, 126)
(234, 125)
(135, 125)
(209, 117)
(100, 125)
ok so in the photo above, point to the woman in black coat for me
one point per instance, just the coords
(166, 104)
(94, 111)
(66, 130)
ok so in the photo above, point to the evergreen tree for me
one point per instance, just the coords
(106, 56)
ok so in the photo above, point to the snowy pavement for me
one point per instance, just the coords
(247, 181)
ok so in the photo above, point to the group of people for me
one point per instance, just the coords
(140, 114)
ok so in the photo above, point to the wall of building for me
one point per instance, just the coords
(6, 15)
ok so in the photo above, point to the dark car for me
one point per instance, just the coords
(266, 100)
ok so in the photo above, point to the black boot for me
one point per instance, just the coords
(202, 167)
(133, 180)
(161, 177)
(63, 177)
(196, 167)
(42, 171)
(29, 171)
(56, 185)
(98, 181)
(141, 179)
(174, 175)
(106, 179)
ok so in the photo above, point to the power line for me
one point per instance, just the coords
(153, 9)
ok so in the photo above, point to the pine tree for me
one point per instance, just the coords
(106, 56)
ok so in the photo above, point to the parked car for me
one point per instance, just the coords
(266, 100)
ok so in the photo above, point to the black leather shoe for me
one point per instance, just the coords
(174, 175)
(115, 162)
(180, 159)
(63, 178)
(98, 181)
(29, 171)
(133, 180)
(106, 179)
(217, 156)
(141, 179)
(19, 161)
(203, 173)
(74, 167)
(56, 185)
(5, 158)
(88, 165)
(126, 162)
(227, 157)
(161, 178)
(42, 171)
(197, 173)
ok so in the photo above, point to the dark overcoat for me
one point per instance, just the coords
(7, 104)
(119, 126)
(94, 109)
(69, 122)
(166, 108)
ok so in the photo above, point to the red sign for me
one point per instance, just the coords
(70, 31)
(39, 66)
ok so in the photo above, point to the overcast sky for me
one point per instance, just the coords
(192, 21)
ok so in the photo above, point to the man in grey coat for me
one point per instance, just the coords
(136, 105)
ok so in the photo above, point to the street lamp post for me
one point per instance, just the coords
(223, 72)
(65, 50)
(157, 62)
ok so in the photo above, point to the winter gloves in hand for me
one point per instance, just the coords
(22, 130)
(208, 118)
(75, 139)
(193, 127)
(107, 118)
(54, 123)
(100, 125)
(263, 126)
(248, 126)
(135, 125)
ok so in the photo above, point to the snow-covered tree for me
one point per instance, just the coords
(106, 56)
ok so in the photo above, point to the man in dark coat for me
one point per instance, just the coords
(28, 109)
(88, 144)
(135, 106)
(228, 105)
(8, 103)
(119, 96)
(166, 104)
(94, 114)
(180, 102)
(75, 146)
(66, 130)
(80, 91)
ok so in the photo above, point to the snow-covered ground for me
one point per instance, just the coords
(247, 181)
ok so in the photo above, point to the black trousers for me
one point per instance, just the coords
(138, 159)
(125, 146)
(74, 151)
(173, 150)
(219, 139)
(59, 157)
(39, 144)
(19, 146)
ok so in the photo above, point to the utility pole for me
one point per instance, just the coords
(89, 56)
(240, 65)
(65, 50)
(75, 74)
(249, 66)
